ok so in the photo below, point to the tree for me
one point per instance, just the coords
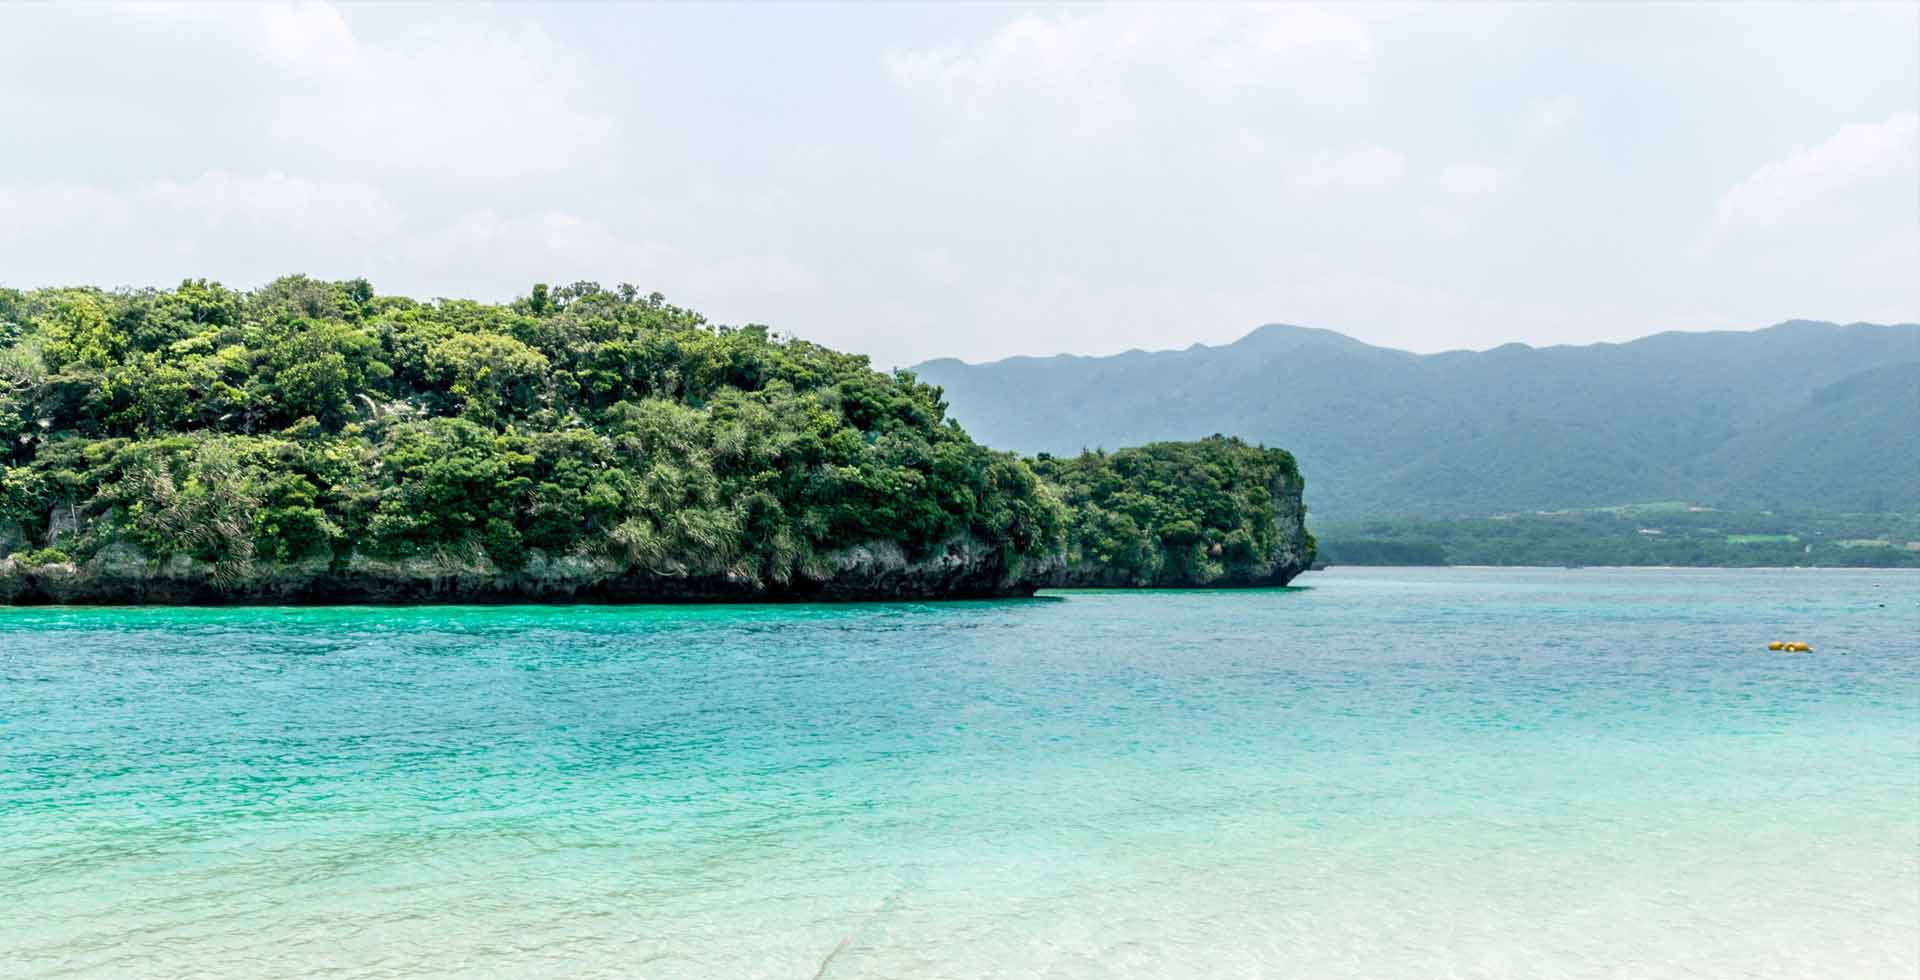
(489, 373)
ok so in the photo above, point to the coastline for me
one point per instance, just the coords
(1387, 771)
(877, 572)
(1651, 568)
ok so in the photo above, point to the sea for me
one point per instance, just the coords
(1414, 773)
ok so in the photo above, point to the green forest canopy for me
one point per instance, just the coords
(311, 420)
(1179, 512)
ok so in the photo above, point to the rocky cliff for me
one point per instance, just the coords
(316, 441)
(879, 571)
(1291, 552)
(1211, 514)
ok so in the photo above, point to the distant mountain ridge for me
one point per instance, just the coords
(1804, 414)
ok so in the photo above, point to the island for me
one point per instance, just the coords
(314, 442)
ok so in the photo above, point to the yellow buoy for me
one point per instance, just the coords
(1799, 647)
(1776, 645)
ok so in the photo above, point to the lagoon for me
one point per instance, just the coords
(1377, 773)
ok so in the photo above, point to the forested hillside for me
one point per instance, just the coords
(314, 440)
(1649, 534)
(1212, 512)
(1801, 416)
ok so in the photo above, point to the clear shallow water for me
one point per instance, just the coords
(1387, 773)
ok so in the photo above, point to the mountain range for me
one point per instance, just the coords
(1803, 415)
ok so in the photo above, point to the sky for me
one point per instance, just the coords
(982, 181)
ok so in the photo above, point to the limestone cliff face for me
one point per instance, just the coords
(879, 571)
(876, 571)
(1292, 552)
(963, 568)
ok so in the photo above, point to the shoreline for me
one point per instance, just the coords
(1666, 568)
(861, 577)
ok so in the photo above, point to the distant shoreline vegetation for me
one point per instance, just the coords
(1647, 535)
(313, 441)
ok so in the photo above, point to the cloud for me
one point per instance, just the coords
(488, 246)
(68, 232)
(1101, 59)
(33, 212)
(275, 203)
(1358, 169)
(307, 38)
(483, 252)
(213, 203)
(1810, 177)
(1555, 113)
(459, 103)
(1469, 179)
(448, 99)
(248, 229)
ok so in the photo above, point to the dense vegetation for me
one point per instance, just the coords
(1661, 534)
(309, 438)
(315, 419)
(1802, 417)
(1194, 513)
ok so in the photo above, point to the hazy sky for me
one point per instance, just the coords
(982, 180)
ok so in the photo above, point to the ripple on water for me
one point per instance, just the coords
(1386, 773)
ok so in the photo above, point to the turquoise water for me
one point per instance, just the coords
(1384, 773)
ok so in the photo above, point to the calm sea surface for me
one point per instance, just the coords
(1383, 773)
